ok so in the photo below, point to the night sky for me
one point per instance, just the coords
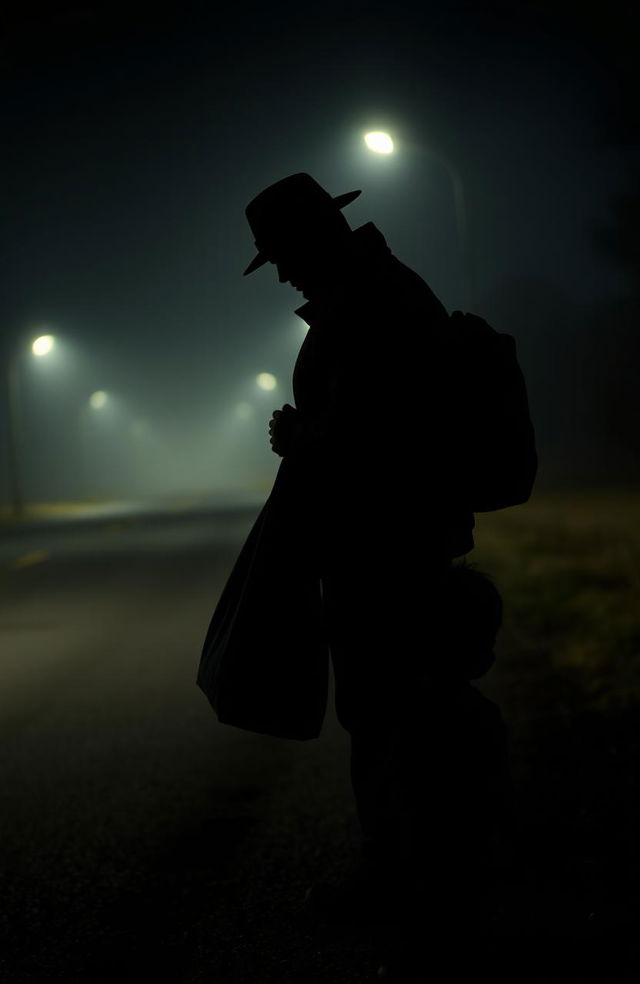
(135, 136)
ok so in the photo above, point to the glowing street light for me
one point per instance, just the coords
(379, 142)
(244, 410)
(98, 400)
(266, 381)
(43, 344)
(140, 428)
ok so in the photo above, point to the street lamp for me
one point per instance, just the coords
(40, 346)
(266, 381)
(43, 344)
(380, 142)
(244, 410)
(98, 400)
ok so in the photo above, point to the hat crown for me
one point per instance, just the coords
(293, 202)
(291, 209)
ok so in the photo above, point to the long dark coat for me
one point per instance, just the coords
(369, 485)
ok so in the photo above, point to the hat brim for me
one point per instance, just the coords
(258, 261)
(346, 199)
(340, 200)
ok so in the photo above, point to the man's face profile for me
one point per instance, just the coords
(309, 265)
(303, 267)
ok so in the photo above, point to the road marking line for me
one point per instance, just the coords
(28, 559)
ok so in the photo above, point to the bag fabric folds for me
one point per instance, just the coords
(265, 660)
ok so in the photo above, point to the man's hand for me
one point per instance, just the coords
(284, 430)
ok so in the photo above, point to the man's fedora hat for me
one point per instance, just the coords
(286, 210)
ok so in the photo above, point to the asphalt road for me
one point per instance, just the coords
(140, 838)
(138, 833)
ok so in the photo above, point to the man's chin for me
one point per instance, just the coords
(310, 292)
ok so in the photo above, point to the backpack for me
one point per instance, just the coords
(496, 453)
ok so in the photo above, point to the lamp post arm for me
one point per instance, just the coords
(462, 224)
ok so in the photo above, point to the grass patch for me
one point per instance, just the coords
(568, 567)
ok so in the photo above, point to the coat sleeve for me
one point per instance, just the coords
(324, 390)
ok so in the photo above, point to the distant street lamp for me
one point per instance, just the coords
(41, 346)
(266, 381)
(377, 141)
(244, 410)
(98, 400)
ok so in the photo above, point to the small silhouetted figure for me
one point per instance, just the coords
(443, 798)
(446, 783)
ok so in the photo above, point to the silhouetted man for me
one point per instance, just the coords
(406, 420)
(379, 504)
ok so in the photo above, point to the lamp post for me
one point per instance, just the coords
(40, 347)
(462, 224)
(379, 142)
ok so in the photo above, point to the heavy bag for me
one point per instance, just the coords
(265, 660)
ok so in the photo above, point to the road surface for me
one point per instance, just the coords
(140, 838)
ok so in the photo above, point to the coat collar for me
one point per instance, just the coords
(369, 248)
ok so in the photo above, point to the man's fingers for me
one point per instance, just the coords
(272, 432)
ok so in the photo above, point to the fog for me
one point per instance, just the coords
(135, 142)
